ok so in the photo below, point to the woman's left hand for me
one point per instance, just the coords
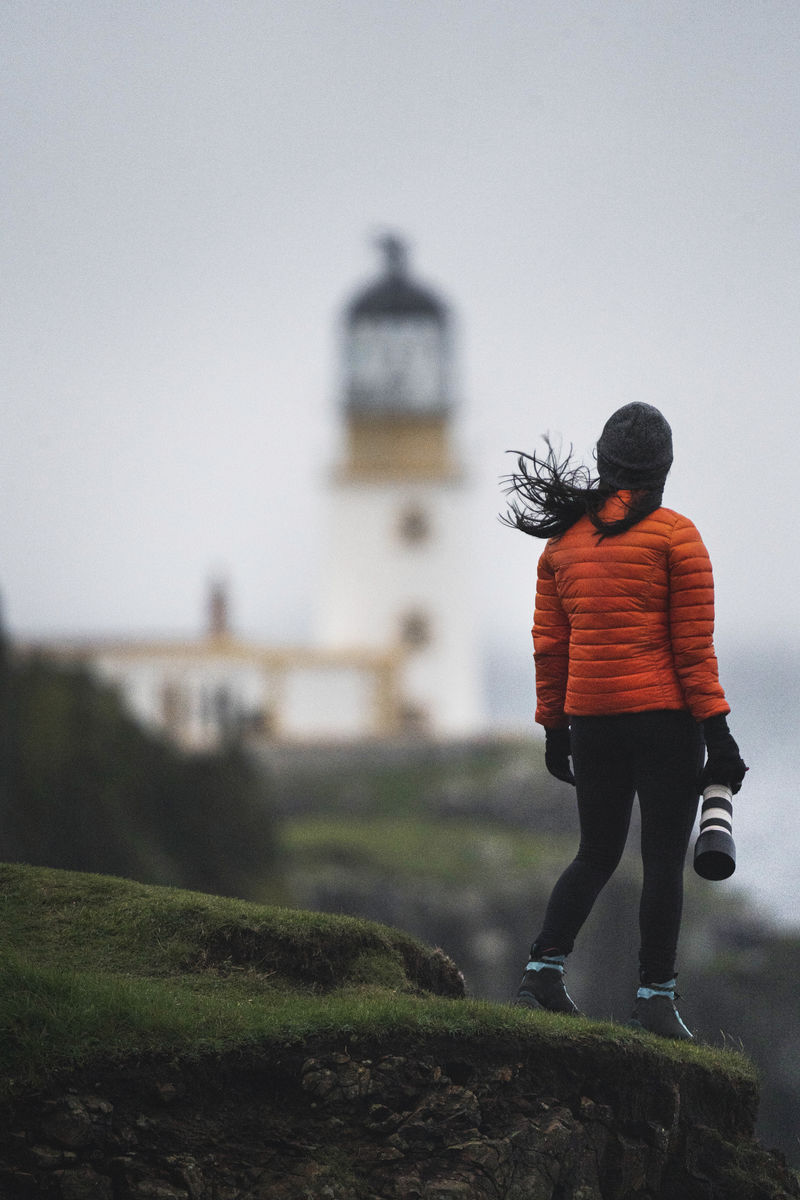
(724, 763)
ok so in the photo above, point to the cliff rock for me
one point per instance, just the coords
(406, 1118)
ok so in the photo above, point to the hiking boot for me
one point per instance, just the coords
(542, 986)
(655, 1012)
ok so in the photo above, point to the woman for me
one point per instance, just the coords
(627, 688)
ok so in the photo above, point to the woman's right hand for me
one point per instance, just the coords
(557, 750)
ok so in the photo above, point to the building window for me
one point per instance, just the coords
(415, 630)
(261, 723)
(414, 525)
(173, 707)
(414, 720)
(224, 710)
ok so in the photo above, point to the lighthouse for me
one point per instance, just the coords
(399, 561)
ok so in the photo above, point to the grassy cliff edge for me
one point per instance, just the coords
(100, 975)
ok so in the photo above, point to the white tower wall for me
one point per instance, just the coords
(385, 589)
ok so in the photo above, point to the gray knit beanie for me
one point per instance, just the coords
(635, 447)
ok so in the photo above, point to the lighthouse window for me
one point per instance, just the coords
(415, 630)
(414, 525)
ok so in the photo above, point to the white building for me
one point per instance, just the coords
(397, 651)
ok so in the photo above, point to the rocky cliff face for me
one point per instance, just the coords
(403, 1119)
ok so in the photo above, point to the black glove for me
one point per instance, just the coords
(556, 754)
(723, 763)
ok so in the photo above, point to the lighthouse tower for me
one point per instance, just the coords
(399, 553)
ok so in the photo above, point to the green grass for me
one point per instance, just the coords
(95, 970)
(404, 847)
(415, 781)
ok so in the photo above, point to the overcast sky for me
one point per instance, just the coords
(607, 193)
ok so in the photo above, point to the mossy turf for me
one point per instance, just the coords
(95, 970)
(406, 846)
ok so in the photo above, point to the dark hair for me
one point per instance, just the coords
(549, 496)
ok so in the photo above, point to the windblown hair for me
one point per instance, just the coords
(549, 496)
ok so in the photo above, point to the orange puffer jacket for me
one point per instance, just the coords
(625, 624)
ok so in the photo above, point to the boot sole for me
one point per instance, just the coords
(674, 1037)
(526, 1000)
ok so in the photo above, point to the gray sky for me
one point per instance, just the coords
(607, 192)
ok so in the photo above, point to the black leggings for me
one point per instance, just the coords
(656, 755)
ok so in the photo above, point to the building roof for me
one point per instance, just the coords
(394, 294)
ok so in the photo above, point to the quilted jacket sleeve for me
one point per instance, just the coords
(550, 648)
(691, 616)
